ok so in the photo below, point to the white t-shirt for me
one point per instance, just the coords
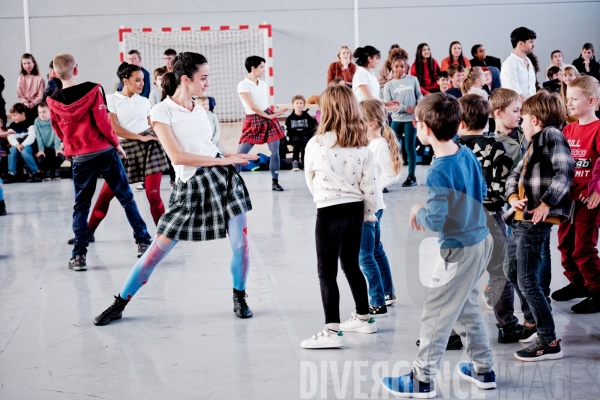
(192, 131)
(132, 112)
(363, 76)
(259, 93)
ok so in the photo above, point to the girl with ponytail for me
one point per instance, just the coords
(129, 114)
(473, 83)
(210, 199)
(388, 157)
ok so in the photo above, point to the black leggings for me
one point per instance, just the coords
(338, 233)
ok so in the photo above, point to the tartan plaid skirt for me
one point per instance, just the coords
(200, 208)
(143, 158)
(259, 130)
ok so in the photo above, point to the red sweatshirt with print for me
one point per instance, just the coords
(585, 149)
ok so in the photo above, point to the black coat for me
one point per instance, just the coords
(489, 62)
(594, 67)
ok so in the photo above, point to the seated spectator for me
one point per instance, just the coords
(569, 74)
(474, 81)
(30, 86)
(554, 75)
(156, 95)
(443, 81)
(425, 68)
(21, 136)
(54, 83)
(50, 155)
(556, 60)
(456, 75)
(586, 63)
(343, 67)
(481, 59)
(300, 128)
(204, 102)
(455, 57)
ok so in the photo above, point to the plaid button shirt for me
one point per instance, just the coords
(549, 171)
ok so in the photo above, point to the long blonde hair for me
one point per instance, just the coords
(563, 86)
(341, 114)
(374, 111)
(471, 75)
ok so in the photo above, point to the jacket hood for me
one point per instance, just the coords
(73, 103)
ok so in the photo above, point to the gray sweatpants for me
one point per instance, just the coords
(452, 299)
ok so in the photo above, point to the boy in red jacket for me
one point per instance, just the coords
(578, 238)
(80, 119)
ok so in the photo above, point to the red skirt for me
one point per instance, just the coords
(260, 130)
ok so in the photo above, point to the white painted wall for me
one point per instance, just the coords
(306, 34)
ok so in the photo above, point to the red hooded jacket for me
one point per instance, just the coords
(80, 119)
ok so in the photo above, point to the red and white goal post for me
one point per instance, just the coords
(225, 47)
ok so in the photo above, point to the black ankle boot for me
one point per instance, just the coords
(240, 307)
(276, 186)
(2, 208)
(115, 311)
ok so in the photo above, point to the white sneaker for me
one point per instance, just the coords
(140, 187)
(325, 339)
(355, 324)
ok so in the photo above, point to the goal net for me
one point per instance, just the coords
(226, 50)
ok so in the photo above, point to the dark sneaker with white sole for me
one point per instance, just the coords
(510, 335)
(77, 263)
(142, 247)
(378, 311)
(529, 334)
(482, 381)
(540, 351)
(390, 299)
(454, 343)
(410, 181)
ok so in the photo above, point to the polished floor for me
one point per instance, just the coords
(179, 338)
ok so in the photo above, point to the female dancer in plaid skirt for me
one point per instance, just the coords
(261, 124)
(146, 160)
(209, 200)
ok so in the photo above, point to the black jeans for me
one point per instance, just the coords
(50, 162)
(85, 176)
(522, 266)
(299, 144)
(338, 234)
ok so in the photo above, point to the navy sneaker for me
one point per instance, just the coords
(540, 351)
(407, 386)
(483, 381)
(529, 334)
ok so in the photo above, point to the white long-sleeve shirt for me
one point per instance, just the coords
(385, 168)
(13, 138)
(338, 175)
(518, 77)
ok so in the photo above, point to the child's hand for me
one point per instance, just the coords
(60, 152)
(121, 151)
(20, 147)
(370, 218)
(413, 217)
(41, 154)
(593, 200)
(518, 205)
(539, 213)
(410, 110)
(147, 138)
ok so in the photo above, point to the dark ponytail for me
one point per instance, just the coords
(125, 70)
(362, 54)
(184, 64)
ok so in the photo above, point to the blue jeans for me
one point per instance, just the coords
(410, 142)
(374, 262)
(1, 190)
(545, 273)
(522, 266)
(85, 176)
(26, 154)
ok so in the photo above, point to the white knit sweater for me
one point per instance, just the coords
(336, 175)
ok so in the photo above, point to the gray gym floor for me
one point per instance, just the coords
(179, 338)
